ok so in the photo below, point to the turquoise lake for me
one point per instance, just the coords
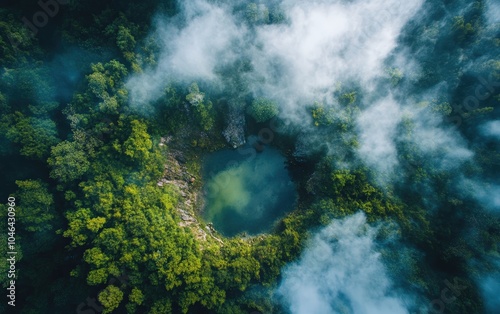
(245, 190)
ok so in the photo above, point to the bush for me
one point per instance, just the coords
(263, 109)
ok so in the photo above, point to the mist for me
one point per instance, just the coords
(321, 47)
(193, 46)
(490, 285)
(341, 270)
(409, 117)
(294, 62)
(491, 129)
(493, 11)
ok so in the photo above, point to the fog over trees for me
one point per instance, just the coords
(386, 114)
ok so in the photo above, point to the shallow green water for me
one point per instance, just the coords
(246, 191)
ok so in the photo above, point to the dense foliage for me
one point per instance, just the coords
(95, 223)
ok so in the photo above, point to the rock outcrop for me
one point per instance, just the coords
(176, 174)
(234, 133)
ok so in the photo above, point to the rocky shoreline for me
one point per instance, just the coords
(176, 174)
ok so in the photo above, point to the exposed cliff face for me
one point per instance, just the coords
(176, 174)
(234, 133)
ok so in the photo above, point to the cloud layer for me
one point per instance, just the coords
(322, 44)
(341, 271)
(321, 47)
(382, 51)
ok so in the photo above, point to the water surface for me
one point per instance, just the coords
(246, 191)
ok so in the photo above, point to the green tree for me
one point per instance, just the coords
(252, 12)
(136, 296)
(263, 109)
(17, 44)
(322, 115)
(139, 143)
(110, 298)
(124, 40)
(77, 226)
(36, 205)
(126, 43)
(68, 161)
(463, 29)
(35, 135)
(204, 111)
(105, 84)
(205, 114)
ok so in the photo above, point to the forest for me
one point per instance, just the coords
(386, 114)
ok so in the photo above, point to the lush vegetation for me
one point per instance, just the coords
(94, 222)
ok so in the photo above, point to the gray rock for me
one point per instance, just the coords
(234, 133)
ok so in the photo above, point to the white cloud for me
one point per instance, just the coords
(490, 286)
(323, 44)
(326, 43)
(491, 128)
(196, 49)
(193, 45)
(486, 193)
(377, 132)
(444, 146)
(492, 11)
(341, 271)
